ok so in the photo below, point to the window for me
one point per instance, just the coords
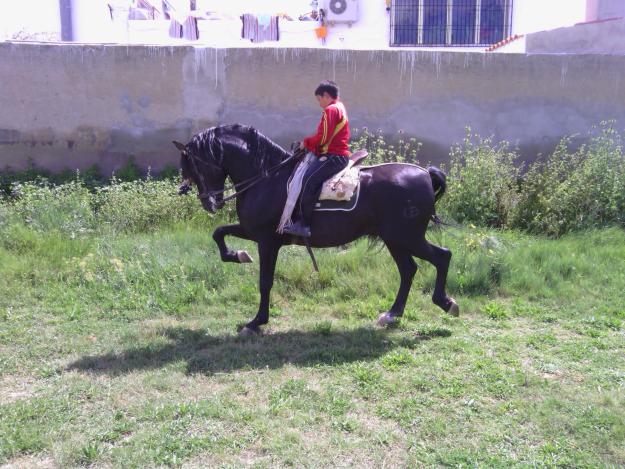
(450, 22)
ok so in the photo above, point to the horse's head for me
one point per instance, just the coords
(202, 168)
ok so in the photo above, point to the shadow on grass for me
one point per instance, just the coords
(204, 353)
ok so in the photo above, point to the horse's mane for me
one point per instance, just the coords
(263, 151)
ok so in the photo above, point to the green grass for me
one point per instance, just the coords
(120, 349)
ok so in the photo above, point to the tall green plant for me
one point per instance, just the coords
(574, 190)
(46, 207)
(382, 150)
(482, 181)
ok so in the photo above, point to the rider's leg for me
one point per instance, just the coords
(311, 188)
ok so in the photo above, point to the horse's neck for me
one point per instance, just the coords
(266, 195)
(243, 167)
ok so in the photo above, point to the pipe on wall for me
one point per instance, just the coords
(67, 33)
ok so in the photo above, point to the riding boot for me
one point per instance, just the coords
(299, 228)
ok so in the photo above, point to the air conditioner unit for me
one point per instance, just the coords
(341, 11)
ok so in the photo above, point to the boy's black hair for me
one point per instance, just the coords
(327, 86)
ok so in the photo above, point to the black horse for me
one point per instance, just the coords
(396, 204)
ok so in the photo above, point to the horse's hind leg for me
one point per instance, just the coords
(407, 269)
(226, 254)
(439, 258)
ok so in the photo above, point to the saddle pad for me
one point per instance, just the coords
(339, 205)
(342, 185)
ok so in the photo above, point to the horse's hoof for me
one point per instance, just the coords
(249, 332)
(454, 310)
(387, 319)
(244, 257)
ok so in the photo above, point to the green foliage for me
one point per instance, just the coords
(482, 182)
(91, 177)
(495, 311)
(141, 205)
(563, 192)
(385, 150)
(73, 209)
(44, 207)
(169, 172)
(128, 172)
(575, 190)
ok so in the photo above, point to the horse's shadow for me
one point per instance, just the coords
(204, 353)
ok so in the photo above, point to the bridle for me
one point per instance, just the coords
(239, 187)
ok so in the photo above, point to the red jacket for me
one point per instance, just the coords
(332, 135)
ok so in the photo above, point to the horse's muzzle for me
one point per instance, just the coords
(212, 204)
(184, 188)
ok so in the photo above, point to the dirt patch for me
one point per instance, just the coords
(15, 387)
(30, 462)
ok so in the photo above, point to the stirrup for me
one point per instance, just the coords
(298, 229)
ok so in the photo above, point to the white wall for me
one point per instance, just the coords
(92, 23)
(33, 19)
(235, 8)
(530, 16)
(370, 32)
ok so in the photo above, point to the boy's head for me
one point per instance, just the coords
(326, 92)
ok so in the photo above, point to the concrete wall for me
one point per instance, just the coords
(68, 106)
(605, 37)
(602, 9)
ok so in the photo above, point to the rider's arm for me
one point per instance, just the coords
(325, 129)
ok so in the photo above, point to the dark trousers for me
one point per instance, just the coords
(318, 172)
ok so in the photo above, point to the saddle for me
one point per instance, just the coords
(344, 184)
(340, 192)
(357, 157)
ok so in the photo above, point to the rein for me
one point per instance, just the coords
(248, 183)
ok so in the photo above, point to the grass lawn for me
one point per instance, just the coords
(121, 350)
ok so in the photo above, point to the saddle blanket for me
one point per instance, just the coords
(348, 205)
(342, 185)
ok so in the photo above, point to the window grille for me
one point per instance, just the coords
(450, 22)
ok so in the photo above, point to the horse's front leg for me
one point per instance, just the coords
(268, 253)
(226, 254)
(407, 269)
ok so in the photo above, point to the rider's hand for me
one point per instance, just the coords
(300, 151)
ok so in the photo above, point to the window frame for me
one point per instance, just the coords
(419, 6)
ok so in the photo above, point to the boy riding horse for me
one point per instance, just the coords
(330, 146)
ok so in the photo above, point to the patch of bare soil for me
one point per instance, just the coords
(16, 387)
(30, 462)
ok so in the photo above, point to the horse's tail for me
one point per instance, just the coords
(439, 183)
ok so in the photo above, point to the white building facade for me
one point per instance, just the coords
(348, 24)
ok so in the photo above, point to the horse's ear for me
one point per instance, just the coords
(180, 146)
